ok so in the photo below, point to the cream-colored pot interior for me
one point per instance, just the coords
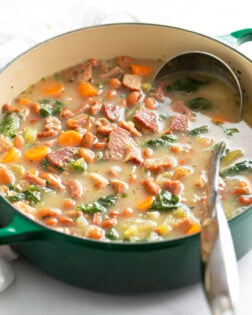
(102, 42)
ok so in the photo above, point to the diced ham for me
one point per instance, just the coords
(147, 119)
(133, 154)
(160, 165)
(181, 108)
(132, 81)
(130, 126)
(95, 109)
(111, 73)
(119, 185)
(159, 92)
(76, 188)
(4, 144)
(121, 143)
(173, 186)
(61, 157)
(78, 122)
(179, 123)
(150, 186)
(112, 111)
(81, 73)
(34, 179)
(123, 61)
(98, 180)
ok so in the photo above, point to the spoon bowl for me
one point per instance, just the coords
(202, 62)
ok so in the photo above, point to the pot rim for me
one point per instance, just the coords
(114, 244)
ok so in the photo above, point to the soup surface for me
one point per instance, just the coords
(97, 152)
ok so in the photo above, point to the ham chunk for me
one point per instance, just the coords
(132, 81)
(112, 73)
(181, 108)
(80, 73)
(130, 126)
(121, 143)
(61, 157)
(160, 165)
(179, 123)
(173, 186)
(133, 154)
(147, 119)
(78, 122)
(76, 188)
(112, 111)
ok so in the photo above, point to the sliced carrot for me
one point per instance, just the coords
(145, 204)
(86, 89)
(140, 69)
(37, 153)
(181, 172)
(95, 233)
(13, 155)
(23, 101)
(70, 138)
(52, 88)
(195, 228)
(218, 120)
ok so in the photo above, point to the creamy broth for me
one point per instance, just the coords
(98, 152)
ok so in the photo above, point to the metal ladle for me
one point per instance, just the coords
(220, 275)
(202, 62)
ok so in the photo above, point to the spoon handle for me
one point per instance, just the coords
(221, 280)
(220, 274)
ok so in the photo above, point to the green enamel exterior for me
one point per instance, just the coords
(117, 267)
(237, 38)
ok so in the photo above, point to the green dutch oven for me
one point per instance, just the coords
(107, 266)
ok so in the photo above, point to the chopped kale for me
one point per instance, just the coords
(107, 201)
(47, 165)
(33, 194)
(230, 131)
(162, 141)
(50, 107)
(10, 124)
(162, 116)
(165, 201)
(100, 205)
(57, 76)
(187, 85)
(198, 131)
(237, 168)
(199, 103)
(112, 234)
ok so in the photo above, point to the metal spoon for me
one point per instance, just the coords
(204, 62)
(220, 274)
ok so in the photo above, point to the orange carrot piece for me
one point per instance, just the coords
(145, 204)
(195, 228)
(52, 88)
(70, 138)
(23, 101)
(86, 89)
(140, 69)
(37, 153)
(13, 155)
(218, 120)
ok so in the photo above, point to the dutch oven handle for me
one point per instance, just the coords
(20, 228)
(237, 38)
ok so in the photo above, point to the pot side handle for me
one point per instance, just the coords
(20, 228)
(237, 38)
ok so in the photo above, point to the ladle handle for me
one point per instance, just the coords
(237, 38)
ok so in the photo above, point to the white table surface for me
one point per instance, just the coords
(25, 22)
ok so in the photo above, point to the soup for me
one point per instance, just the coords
(96, 151)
